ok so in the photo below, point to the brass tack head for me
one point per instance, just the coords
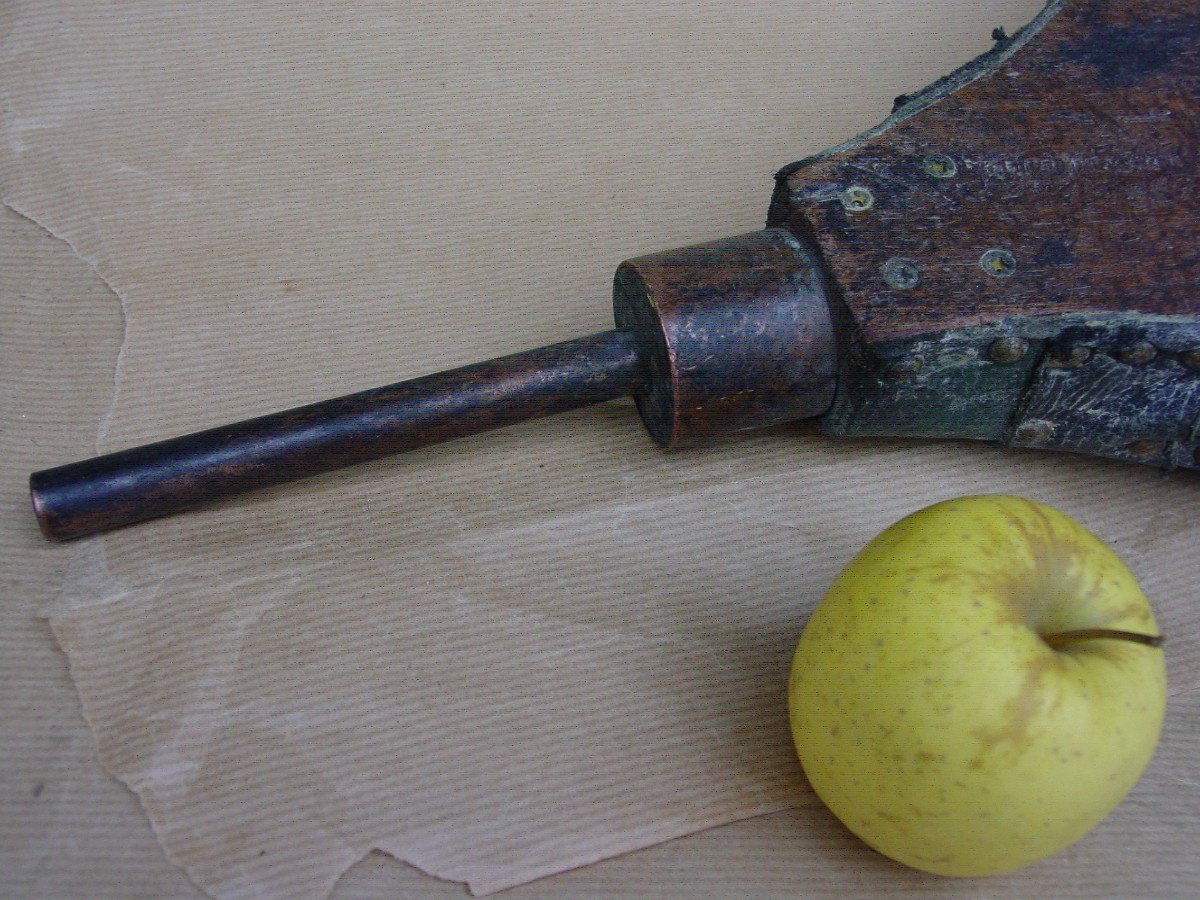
(998, 263)
(1035, 431)
(1137, 354)
(1191, 358)
(940, 166)
(857, 198)
(1146, 447)
(1007, 350)
(901, 273)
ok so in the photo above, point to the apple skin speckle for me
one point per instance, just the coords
(957, 706)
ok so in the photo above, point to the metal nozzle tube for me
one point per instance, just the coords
(158, 479)
(711, 339)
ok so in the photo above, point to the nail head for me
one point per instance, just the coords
(1035, 431)
(901, 273)
(998, 263)
(857, 198)
(1137, 354)
(1007, 350)
(940, 166)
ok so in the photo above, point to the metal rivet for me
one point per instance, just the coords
(998, 263)
(1069, 357)
(901, 273)
(1035, 431)
(1007, 350)
(940, 166)
(857, 198)
(1191, 359)
(1137, 354)
(1146, 447)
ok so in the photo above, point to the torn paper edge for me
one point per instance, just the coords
(87, 566)
(86, 561)
(105, 422)
(483, 885)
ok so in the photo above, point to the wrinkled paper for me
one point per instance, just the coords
(514, 654)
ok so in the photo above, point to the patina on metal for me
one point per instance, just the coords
(1009, 257)
(739, 335)
(711, 339)
(169, 476)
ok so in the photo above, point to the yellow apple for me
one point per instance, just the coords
(980, 687)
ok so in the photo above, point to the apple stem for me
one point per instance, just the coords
(1088, 634)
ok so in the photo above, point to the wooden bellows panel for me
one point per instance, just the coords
(1056, 175)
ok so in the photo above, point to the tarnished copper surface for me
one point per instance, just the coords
(738, 335)
(158, 479)
(718, 338)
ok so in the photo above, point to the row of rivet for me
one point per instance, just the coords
(902, 273)
(1010, 349)
(1038, 431)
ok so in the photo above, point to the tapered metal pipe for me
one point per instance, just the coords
(158, 479)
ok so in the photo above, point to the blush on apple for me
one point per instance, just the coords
(981, 686)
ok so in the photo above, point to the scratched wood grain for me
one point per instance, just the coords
(1062, 180)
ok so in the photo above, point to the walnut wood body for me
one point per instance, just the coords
(1048, 194)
